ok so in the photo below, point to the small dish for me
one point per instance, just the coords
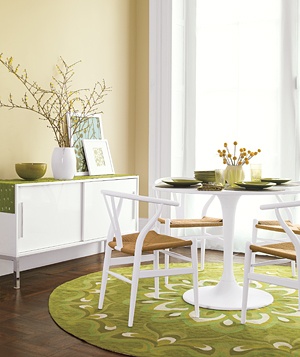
(278, 181)
(255, 186)
(180, 181)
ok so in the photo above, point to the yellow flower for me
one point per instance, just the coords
(243, 158)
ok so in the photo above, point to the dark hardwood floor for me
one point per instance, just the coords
(26, 328)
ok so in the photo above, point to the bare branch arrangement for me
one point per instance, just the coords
(54, 103)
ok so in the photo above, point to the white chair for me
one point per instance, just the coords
(197, 227)
(279, 253)
(260, 226)
(143, 246)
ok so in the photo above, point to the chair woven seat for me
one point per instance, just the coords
(281, 250)
(190, 222)
(153, 241)
(276, 227)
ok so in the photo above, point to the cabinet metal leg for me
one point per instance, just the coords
(15, 261)
(17, 279)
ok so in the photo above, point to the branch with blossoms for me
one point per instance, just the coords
(54, 103)
(232, 159)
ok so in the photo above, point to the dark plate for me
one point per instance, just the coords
(255, 186)
(181, 181)
(278, 181)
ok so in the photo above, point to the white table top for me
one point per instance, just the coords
(283, 189)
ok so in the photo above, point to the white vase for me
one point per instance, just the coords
(63, 163)
(234, 174)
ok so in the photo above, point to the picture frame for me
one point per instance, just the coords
(98, 157)
(91, 128)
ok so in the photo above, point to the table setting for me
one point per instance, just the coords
(233, 176)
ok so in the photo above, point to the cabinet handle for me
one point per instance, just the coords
(134, 204)
(21, 220)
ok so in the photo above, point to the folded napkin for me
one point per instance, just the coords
(210, 187)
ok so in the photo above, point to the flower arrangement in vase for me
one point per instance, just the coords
(234, 171)
(53, 104)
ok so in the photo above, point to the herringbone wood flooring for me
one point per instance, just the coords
(26, 328)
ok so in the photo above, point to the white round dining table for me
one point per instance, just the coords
(227, 294)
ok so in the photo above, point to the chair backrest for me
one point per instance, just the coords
(287, 211)
(114, 201)
(280, 208)
(181, 198)
(180, 211)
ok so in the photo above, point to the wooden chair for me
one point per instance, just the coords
(280, 253)
(273, 226)
(180, 226)
(143, 246)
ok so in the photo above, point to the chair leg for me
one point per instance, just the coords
(202, 254)
(293, 266)
(254, 240)
(194, 256)
(106, 266)
(156, 278)
(133, 291)
(297, 266)
(166, 231)
(247, 269)
(167, 261)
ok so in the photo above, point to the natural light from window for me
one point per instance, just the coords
(238, 80)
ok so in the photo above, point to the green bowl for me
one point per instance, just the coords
(31, 170)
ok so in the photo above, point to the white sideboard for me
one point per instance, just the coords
(50, 216)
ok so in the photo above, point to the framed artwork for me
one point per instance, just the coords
(98, 157)
(89, 128)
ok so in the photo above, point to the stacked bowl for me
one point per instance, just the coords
(205, 176)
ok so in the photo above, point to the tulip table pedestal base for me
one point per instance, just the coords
(228, 296)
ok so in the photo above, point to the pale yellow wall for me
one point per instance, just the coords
(142, 96)
(110, 37)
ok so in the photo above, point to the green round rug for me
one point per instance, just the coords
(166, 326)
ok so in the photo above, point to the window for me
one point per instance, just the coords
(238, 80)
(235, 81)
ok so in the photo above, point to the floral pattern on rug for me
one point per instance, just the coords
(167, 326)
